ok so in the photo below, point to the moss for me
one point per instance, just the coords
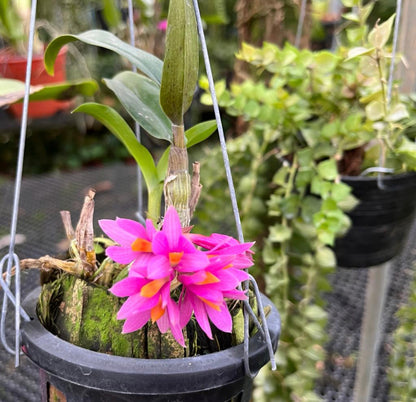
(86, 315)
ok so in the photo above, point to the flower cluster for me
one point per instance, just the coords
(205, 270)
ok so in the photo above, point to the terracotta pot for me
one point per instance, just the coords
(14, 67)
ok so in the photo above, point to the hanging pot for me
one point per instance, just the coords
(380, 222)
(73, 374)
(14, 66)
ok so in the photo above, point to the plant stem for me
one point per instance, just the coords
(177, 187)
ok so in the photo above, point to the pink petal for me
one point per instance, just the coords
(122, 255)
(188, 280)
(185, 245)
(207, 292)
(185, 311)
(239, 274)
(135, 322)
(158, 267)
(221, 319)
(201, 317)
(150, 229)
(112, 230)
(160, 244)
(163, 323)
(193, 262)
(178, 334)
(235, 294)
(136, 304)
(237, 249)
(133, 227)
(128, 286)
(172, 227)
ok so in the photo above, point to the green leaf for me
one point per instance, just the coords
(111, 13)
(398, 112)
(325, 257)
(279, 233)
(140, 97)
(380, 34)
(116, 124)
(180, 68)
(315, 313)
(12, 91)
(375, 110)
(200, 132)
(147, 63)
(328, 169)
(325, 61)
(340, 191)
(358, 52)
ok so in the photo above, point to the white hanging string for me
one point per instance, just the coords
(380, 183)
(139, 212)
(11, 257)
(234, 203)
(301, 22)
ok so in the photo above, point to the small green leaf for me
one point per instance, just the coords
(147, 63)
(325, 257)
(375, 110)
(200, 132)
(380, 34)
(328, 169)
(280, 233)
(314, 312)
(140, 97)
(398, 112)
(116, 124)
(180, 68)
(358, 52)
(325, 61)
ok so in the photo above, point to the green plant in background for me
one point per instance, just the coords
(14, 23)
(311, 117)
(139, 94)
(402, 371)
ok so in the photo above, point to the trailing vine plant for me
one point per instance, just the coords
(311, 117)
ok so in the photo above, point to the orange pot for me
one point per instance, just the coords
(14, 67)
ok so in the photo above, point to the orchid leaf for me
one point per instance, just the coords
(12, 91)
(116, 124)
(147, 63)
(180, 67)
(200, 132)
(140, 97)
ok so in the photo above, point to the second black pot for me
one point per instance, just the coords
(381, 221)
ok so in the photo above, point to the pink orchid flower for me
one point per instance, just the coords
(162, 261)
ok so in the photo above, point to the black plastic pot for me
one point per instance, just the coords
(380, 223)
(82, 375)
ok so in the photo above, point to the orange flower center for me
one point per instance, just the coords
(151, 288)
(157, 311)
(142, 245)
(209, 278)
(175, 258)
(210, 303)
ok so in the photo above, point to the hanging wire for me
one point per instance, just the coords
(11, 257)
(301, 22)
(139, 212)
(247, 310)
(380, 175)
